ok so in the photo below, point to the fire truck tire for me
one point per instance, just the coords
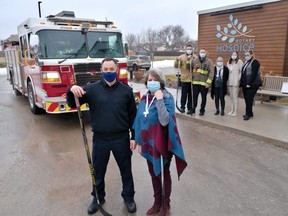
(31, 97)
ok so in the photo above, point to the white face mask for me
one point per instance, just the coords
(234, 57)
(248, 57)
(189, 52)
(202, 55)
(219, 64)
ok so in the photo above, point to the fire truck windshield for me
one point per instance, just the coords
(59, 44)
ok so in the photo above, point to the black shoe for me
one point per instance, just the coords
(201, 113)
(246, 117)
(93, 208)
(182, 110)
(131, 206)
(193, 111)
(222, 113)
(189, 112)
(102, 201)
(217, 112)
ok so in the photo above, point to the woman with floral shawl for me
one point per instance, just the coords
(157, 137)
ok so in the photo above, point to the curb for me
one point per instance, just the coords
(268, 140)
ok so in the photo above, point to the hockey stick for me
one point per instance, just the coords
(104, 213)
(191, 72)
(178, 84)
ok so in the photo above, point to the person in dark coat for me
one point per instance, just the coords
(250, 82)
(112, 112)
(219, 85)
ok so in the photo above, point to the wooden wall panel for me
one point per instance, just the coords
(269, 27)
(285, 70)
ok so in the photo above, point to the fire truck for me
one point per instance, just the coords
(58, 51)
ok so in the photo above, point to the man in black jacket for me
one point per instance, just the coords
(112, 110)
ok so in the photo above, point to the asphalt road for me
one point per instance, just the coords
(44, 172)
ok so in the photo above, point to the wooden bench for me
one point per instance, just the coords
(272, 86)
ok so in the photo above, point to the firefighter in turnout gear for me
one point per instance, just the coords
(202, 77)
(186, 78)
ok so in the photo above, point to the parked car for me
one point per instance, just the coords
(138, 61)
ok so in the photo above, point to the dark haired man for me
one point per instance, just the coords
(112, 110)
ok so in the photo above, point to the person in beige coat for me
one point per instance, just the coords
(234, 65)
(186, 78)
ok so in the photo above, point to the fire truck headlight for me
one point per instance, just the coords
(123, 73)
(51, 77)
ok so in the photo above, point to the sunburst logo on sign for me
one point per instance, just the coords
(233, 30)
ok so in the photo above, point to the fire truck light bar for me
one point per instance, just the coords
(78, 21)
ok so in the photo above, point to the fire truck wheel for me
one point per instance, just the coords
(31, 97)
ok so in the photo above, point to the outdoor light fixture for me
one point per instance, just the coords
(85, 27)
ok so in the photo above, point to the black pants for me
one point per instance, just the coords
(219, 96)
(249, 94)
(122, 154)
(186, 95)
(197, 89)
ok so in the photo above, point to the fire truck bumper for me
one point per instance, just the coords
(57, 105)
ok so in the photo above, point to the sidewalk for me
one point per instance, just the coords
(270, 122)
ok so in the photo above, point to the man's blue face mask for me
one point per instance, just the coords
(109, 76)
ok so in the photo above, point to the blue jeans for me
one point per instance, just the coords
(122, 154)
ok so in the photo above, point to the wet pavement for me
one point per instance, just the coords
(44, 170)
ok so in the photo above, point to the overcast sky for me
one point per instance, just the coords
(129, 16)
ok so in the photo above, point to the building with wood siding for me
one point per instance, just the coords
(260, 25)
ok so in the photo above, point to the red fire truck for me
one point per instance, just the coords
(58, 51)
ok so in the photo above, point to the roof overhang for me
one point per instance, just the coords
(256, 4)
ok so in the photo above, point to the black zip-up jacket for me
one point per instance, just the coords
(250, 74)
(225, 79)
(112, 109)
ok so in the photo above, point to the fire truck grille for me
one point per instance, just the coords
(86, 73)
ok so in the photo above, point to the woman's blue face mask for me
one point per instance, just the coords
(153, 86)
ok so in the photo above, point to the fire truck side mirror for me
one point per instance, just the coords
(34, 45)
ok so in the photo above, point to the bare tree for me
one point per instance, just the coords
(130, 38)
(150, 38)
(139, 45)
(170, 36)
(173, 36)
